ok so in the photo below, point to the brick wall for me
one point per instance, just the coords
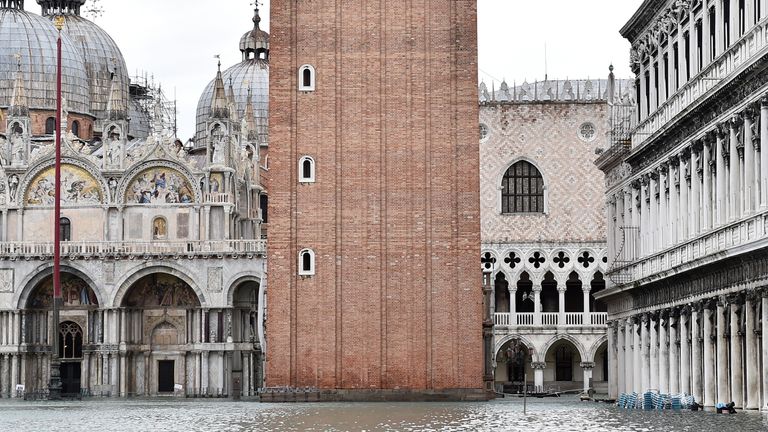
(394, 215)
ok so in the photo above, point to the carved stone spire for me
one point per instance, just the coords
(219, 105)
(19, 106)
(116, 109)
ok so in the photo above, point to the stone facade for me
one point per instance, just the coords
(389, 224)
(547, 262)
(687, 194)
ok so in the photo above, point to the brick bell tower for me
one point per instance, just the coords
(374, 238)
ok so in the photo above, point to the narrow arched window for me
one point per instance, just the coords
(76, 128)
(306, 262)
(307, 170)
(307, 78)
(159, 229)
(522, 189)
(65, 229)
(50, 125)
(70, 341)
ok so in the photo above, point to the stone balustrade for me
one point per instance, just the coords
(219, 198)
(191, 248)
(751, 46)
(550, 319)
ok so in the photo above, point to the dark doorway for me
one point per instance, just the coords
(563, 364)
(165, 376)
(70, 378)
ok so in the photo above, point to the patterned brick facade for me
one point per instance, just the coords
(546, 134)
(393, 217)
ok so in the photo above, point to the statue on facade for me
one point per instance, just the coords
(112, 188)
(17, 147)
(13, 185)
(5, 152)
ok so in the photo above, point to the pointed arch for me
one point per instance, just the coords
(578, 345)
(531, 173)
(523, 338)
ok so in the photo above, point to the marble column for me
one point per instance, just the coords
(674, 214)
(736, 366)
(587, 373)
(561, 288)
(537, 304)
(734, 183)
(638, 359)
(538, 375)
(710, 386)
(764, 309)
(645, 229)
(663, 222)
(693, 178)
(586, 287)
(123, 375)
(512, 304)
(653, 223)
(721, 371)
(748, 202)
(663, 363)
(706, 199)
(645, 360)
(620, 359)
(205, 372)
(721, 179)
(629, 355)
(764, 154)
(685, 350)
(752, 361)
(14, 373)
(653, 365)
(674, 354)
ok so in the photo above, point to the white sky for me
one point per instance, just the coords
(176, 40)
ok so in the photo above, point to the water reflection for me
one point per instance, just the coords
(559, 415)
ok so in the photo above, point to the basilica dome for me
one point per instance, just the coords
(252, 73)
(99, 52)
(28, 42)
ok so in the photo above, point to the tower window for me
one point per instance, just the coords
(522, 189)
(50, 125)
(307, 170)
(76, 128)
(307, 78)
(307, 262)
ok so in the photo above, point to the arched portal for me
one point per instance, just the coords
(563, 365)
(247, 374)
(524, 296)
(501, 289)
(159, 290)
(513, 367)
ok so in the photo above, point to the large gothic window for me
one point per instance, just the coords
(70, 341)
(522, 190)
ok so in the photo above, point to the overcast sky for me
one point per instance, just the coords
(176, 40)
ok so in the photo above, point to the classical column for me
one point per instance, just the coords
(707, 199)
(662, 221)
(561, 288)
(587, 370)
(710, 386)
(14, 373)
(629, 355)
(653, 349)
(645, 373)
(638, 358)
(620, 359)
(749, 163)
(736, 366)
(123, 376)
(753, 361)
(645, 229)
(764, 309)
(734, 184)
(694, 179)
(537, 304)
(653, 223)
(512, 304)
(764, 153)
(635, 210)
(205, 371)
(674, 374)
(721, 179)
(586, 287)
(723, 391)
(674, 185)
(538, 375)
(663, 363)
(685, 350)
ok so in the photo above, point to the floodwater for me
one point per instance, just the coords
(561, 415)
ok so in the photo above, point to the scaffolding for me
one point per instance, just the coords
(154, 103)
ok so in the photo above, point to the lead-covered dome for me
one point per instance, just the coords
(30, 40)
(250, 74)
(100, 53)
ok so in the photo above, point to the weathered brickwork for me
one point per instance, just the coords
(393, 216)
(547, 135)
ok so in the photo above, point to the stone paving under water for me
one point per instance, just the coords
(561, 415)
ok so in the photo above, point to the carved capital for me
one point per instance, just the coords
(736, 121)
(587, 365)
(697, 146)
(539, 365)
(764, 102)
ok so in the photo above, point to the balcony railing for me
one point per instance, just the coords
(190, 248)
(748, 48)
(219, 198)
(550, 319)
(691, 252)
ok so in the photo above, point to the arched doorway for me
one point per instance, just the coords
(563, 365)
(513, 367)
(74, 332)
(247, 375)
(159, 309)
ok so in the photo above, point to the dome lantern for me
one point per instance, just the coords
(12, 4)
(61, 7)
(255, 43)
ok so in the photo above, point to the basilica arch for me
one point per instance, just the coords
(149, 268)
(44, 271)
